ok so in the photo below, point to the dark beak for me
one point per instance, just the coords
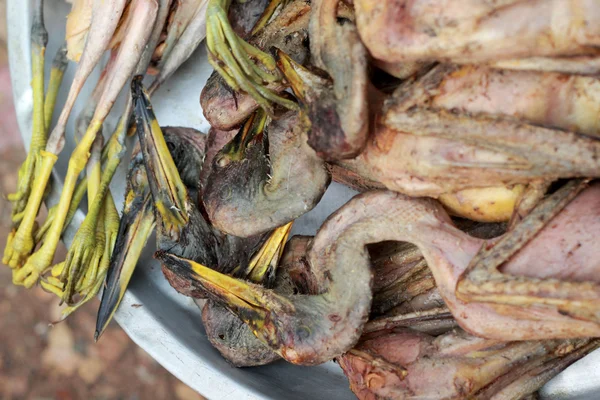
(136, 226)
(168, 191)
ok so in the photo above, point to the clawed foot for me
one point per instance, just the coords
(232, 57)
(19, 246)
(83, 259)
(35, 266)
(19, 198)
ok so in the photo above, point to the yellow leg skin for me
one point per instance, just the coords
(38, 136)
(231, 56)
(56, 76)
(90, 295)
(111, 227)
(52, 285)
(57, 270)
(9, 243)
(87, 247)
(22, 241)
(81, 273)
(42, 259)
(111, 224)
(80, 191)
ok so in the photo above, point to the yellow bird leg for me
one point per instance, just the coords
(110, 229)
(112, 149)
(42, 258)
(39, 39)
(22, 241)
(59, 65)
(232, 54)
(52, 285)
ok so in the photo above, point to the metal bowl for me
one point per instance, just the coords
(165, 324)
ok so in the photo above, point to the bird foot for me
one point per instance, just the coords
(20, 197)
(19, 246)
(83, 259)
(35, 266)
(243, 66)
(22, 242)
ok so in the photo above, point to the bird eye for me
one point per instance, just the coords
(303, 332)
(223, 161)
(227, 193)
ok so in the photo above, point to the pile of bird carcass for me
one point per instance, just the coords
(467, 268)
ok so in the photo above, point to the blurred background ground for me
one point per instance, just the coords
(40, 361)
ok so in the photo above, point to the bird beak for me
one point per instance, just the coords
(264, 263)
(251, 130)
(168, 191)
(303, 82)
(252, 303)
(137, 223)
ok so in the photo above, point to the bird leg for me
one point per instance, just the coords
(266, 259)
(39, 39)
(232, 57)
(27, 171)
(94, 283)
(484, 282)
(139, 26)
(105, 19)
(86, 256)
(59, 65)
(87, 246)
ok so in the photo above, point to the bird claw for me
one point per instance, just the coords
(8, 249)
(53, 285)
(36, 264)
(231, 56)
(19, 198)
(81, 265)
(18, 247)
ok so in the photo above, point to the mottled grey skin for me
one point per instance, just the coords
(225, 109)
(214, 143)
(273, 189)
(197, 240)
(233, 337)
(406, 364)
(310, 330)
